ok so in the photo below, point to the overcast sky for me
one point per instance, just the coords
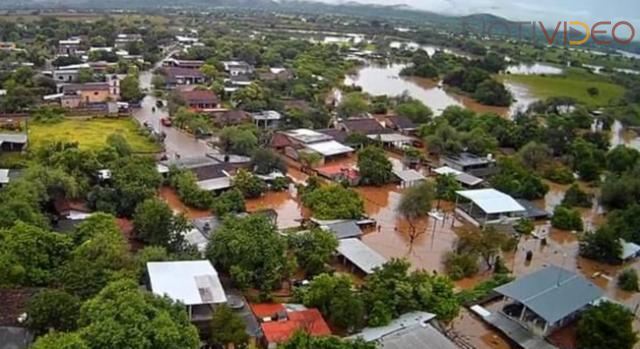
(528, 10)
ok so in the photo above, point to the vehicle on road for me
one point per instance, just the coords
(166, 122)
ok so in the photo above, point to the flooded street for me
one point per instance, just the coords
(290, 210)
(176, 141)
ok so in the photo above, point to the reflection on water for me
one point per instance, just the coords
(286, 204)
(533, 69)
(386, 80)
(622, 136)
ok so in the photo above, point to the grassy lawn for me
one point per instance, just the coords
(572, 84)
(91, 133)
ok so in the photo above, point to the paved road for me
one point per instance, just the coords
(176, 142)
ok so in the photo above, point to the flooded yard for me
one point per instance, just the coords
(386, 80)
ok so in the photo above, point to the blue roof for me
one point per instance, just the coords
(553, 293)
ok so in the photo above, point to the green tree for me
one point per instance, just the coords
(576, 197)
(628, 280)
(517, 181)
(415, 204)
(29, 255)
(535, 156)
(123, 316)
(392, 291)
(265, 161)
(309, 159)
(492, 92)
(238, 140)
(337, 299)
(228, 328)
(231, 201)
(54, 310)
(249, 184)
(606, 325)
(130, 89)
(415, 110)
(602, 245)
(85, 75)
(334, 201)
(97, 223)
(94, 263)
(155, 224)
(486, 244)
(251, 251)
(566, 219)
(313, 249)
(55, 340)
(185, 183)
(353, 104)
(303, 340)
(622, 159)
(375, 168)
(446, 187)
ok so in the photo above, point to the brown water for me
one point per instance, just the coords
(286, 204)
(386, 80)
(622, 136)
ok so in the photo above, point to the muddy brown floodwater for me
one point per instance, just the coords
(170, 196)
(386, 80)
(286, 204)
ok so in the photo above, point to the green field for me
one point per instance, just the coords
(91, 133)
(572, 84)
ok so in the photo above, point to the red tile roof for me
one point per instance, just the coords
(309, 321)
(199, 96)
(280, 141)
(264, 310)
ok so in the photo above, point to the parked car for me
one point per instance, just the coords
(166, 122)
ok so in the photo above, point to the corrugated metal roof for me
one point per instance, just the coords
(330, 148)
(553, 293)
(424, 337)
(408, 320)
(492, 201)
(190, 282)
(344, 230)
(361, 255)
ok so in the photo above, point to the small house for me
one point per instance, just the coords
(200, 99)
(487, 206)
(365, 126)
(69, 47)
(13, 141)
(469, 163)
(400, 124)
(279, 322)
(195, 284)
(544, 300)
(360, 256)
(235, 68)
(175, 76)
(267, 119)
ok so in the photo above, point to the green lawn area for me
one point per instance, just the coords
(91, 133)
(572, 84)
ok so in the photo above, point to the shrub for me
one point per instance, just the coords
(459, 266)
(576, 197)
(559, 174)
(566, 219)
(628, 280)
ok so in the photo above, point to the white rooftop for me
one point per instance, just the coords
(446, 170)
(391, 138)
(215, 184)
(492, 201)
(4, 176)
(629, 249)
(330, 148)
(306, 135)
(409, 175)
(416, 318)
(190, 282)
(267, 115)
(361, 255)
